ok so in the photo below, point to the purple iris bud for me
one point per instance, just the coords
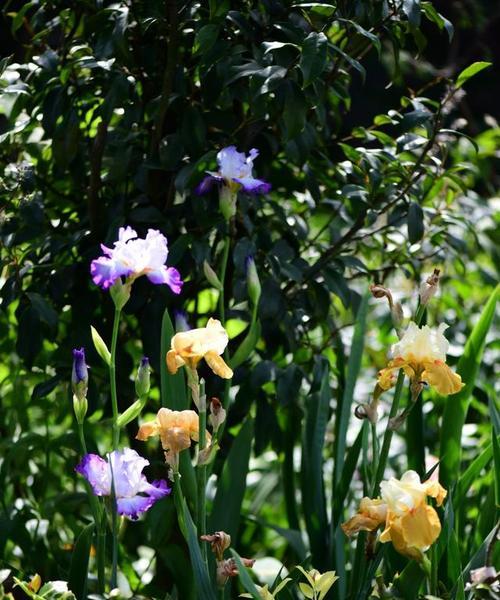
(132, 257)
(235, 168)
(181, 321)
(123, 468)
(79, 374)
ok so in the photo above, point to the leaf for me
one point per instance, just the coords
(415, 223)
(247, 345)
(313, 492)
(306, 589)
(226, 510)
(100, 346)
(362, 31)
(456, 406)
(173, 387)
(324, 10)
(353, 369)
(313, 59)
(411, 8)
(78, 571)
(352, 61)
(211, 276)
(471, 474)
(202, 579)
(244, 576)
(294, 113)
(132, 412)
(470, 71)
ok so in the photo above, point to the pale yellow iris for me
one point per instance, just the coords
(421, 353)
(189, 347)
(176, 430)
(409, 522)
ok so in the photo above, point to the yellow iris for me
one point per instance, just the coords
(176, 430)
(409, 522)
(421, 353)
(189, 347)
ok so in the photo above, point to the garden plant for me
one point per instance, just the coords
(248, 285)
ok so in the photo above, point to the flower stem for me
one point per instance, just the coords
(96, 509)
(114, 531)
(112, 379)
(201, 470)
(386, 444)
(222, 311)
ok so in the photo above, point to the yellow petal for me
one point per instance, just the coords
(218, 366)
(371, 514)
(435, 490)
(146, 430)
(439, 375)
(172, 365)
(414, 532)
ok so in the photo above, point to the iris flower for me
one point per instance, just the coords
(235, 172)
(409, 522)
(189, 347)
(176, 429)
(421, 353)
(132, 257)
(134, 494)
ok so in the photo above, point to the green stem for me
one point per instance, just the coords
(95, 508)
(386, 444)
(222, 312)
(434, 571)
(112, 379)
(114, 532)
(375, 449)
(201, 470)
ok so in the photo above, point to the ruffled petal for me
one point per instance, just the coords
(253, 186)
(218, 366)
(96, 471)
(371, 514)
(435, 490)
(105, 271)
(206, 184)
(167, 275)
(147, 430)
(133, 507)
(439, 375)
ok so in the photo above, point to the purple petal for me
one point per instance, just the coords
(169, 275)
(135, 506)
(205, 185)
(253, 186)
(105, 271)
(96, 472)
(159, 488)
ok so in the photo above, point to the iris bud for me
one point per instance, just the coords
(227, 202)
(253, 281)
(79, 375)
(142, 380)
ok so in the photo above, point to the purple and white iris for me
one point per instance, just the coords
(132, 257)
(134, 494)
(235, 170)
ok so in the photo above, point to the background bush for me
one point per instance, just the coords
(381, 170)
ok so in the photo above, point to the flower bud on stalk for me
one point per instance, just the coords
(429, 287)
(253, 282)
(142, 380)
(79, 383)
(227, 202)
(120, 293)
(217, 414)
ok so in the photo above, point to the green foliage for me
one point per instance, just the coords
(383, 159)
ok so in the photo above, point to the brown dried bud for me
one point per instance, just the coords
(217, 414)
(429, 287)
(227, 568)
(219, 542)
(378, 291)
